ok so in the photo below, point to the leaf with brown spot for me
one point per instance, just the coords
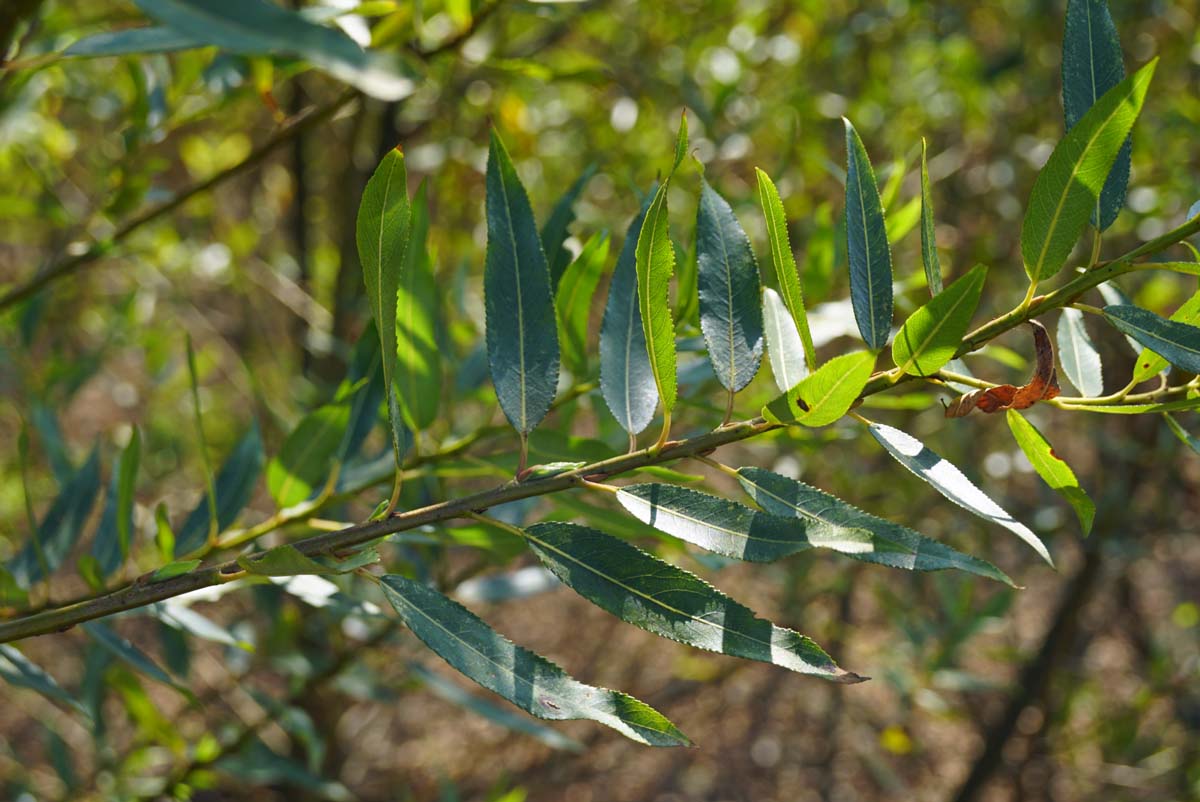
(1042, 386)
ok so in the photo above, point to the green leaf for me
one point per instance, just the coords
(382, 233)
(133, 41)
(1185, 437)
(1079, 357)
(528, 680)
(259, 27)
(573, 302)
(826, 395)
(929, 254)
(418, 357)
(363, 389)
(285, 560)
(1091, 66)
(164, 536)
(948, 480)
(784, 347)
(786, 272)
(1052, 468)
(132, 656)
(60, 528)
(1068, 187)
(626, 378)
(1149, 363)
(681, 141)
(554, 232)
(522, 333)
(1178, 343)
(114, 534)
(730, 314)
(797, 517)
(867, 246)
(1113, 294)
(655, 262)
(18, 670)
(173, 569)
(668, 601)
(931, 335)
(303, 464)
(234, 485)
(1182, 405)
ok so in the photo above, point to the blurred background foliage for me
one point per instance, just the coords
(1081, 686)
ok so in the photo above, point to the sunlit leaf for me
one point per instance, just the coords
(730, 315)
(1052, 468)
(826, 395)
(786, 272)
(1078, 355)
(931, 335)
(948, 480)
(522, 333)
(655, 263)
(668, 601)
(302, 465)
(929, 254)
(867, 246)
(418, 358)
(573, 302)
(1149, 363)
(784, 347)
(529, 681)
(1068, 187)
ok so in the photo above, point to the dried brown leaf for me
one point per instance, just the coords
(1041, 387)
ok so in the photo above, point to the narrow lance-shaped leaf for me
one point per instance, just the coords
(114, 534)
(573, 302)
(1114, 295)
(826, 395)
(797, 518)
(1068, 187)
(234, 485)
(668, 601)
(929, 254)
(210, 491)
(931, 335)
(786, 272)
(528, 680)
(1079, 357)
(626, 378)
(60, 528)
(784, 347)
(1185, 437)
(554, 232)
(1149, 363)
(1092, 65)
(260, 27)
(303, 464)
(522, 334)
(363, 389)
(948, 480)
(133, 41)
(1178, 343)
(1052, 468)
(132, 656)
(867, 246)
(655, 261)
(418, 357)
(18, 670)
(382, 234)
(730, 315)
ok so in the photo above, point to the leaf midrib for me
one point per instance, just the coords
(919, 351)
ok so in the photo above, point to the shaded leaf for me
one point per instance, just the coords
(626, 379)
(573, 302)
(784, 346)
(1178, 343)
(729, 287)
(529, 681)
(132, 656)
(114, 534)
(786, 272)
(60, 528)
(1091, 66)
(263, 28)
(133, 41)
(1149, 363)
(1068, 187)
(1078, 355)
(418, 357)
(826, 395)
(931, 335)
(867, 246)
(948, 480)
(929, 254)
(1114, 295)
(382, 234)
(797, 517)
(668, 601)
(363, 388)
(1052, 468)
(18, 670)
(1185, 437)
(234, 486)
(522, 333)
(1042, 386)
(554, 232)
(302, 465)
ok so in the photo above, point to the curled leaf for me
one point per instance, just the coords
(1041, 387)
